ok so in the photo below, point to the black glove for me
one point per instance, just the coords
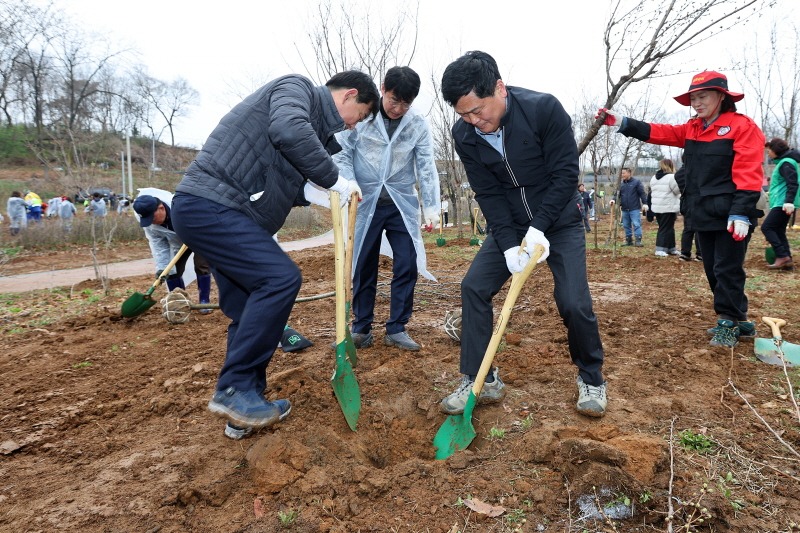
(158, 273)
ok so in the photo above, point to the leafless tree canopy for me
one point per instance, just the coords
(352, 35)
(640, 35)
(67, 86)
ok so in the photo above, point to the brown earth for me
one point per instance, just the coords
(105, 428)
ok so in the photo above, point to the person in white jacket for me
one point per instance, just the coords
(388, 156)
(665, 199)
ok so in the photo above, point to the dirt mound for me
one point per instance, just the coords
(105, 426)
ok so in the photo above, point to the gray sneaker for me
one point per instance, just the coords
(237, 433)
(592, 400)
(363, 340)
(491, 393)
(401, 340)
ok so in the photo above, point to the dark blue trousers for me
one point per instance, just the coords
(567, 261)
(257, 282)
(404, 272)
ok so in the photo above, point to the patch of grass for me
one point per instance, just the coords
(287, 518)
(696, 442)
(497, 433)
(82, 364)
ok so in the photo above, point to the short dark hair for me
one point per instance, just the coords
(777, 145)
(628, 169)
(474, 71)
(96, 195)
(403, 82)
(355, 79)
(16, 194)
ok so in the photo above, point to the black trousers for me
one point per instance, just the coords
(774, 230)
(665, 237)
(687, 236)
(567, 261)
(723, 262)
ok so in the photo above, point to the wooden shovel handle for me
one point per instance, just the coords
(352, 212)
(776, 324)
(165, 272)
(518, 279)
(339, 259)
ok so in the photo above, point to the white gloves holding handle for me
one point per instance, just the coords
(516, 260)
(345, 188)
(534, 237)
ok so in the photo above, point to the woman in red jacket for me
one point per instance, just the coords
(723, 153)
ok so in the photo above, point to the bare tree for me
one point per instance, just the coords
(773, 74)
(341, 40)
(452, 175)
(638, 39)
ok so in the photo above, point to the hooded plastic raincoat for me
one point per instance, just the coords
(398, 164)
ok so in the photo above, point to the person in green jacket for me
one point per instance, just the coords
(783, 199)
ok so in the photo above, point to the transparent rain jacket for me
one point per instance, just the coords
(374, 161)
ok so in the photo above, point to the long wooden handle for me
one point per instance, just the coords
(164, 273)
(352, 212)
(518, 279)
(339, 259)
(775, 324)
(475, 221)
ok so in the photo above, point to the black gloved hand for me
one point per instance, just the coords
(158, 273)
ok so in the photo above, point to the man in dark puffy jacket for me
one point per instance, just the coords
(632, 201)
(235, 196)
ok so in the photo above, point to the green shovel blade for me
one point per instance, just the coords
(456, 433)
(768, 351)
(769, 255)
(137, 303)
(345, 386)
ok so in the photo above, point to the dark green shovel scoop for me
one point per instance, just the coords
(137, 303)
(343, 381)
(440, 240)
(776, 351)
(457, 432)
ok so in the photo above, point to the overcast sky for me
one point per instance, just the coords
(222, 47)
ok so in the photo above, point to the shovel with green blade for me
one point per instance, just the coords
(137, 303)
(440, 241)
(776, 351)
(457, 432)
(343, 381)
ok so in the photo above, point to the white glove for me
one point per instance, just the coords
(534, 237)
(316, 195)
(431, 216)
(345, 188)
(516, 260)
(788, 208)
(644, 208)
(738, 229)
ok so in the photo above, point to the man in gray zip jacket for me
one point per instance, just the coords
(236, 195)
(521, 160)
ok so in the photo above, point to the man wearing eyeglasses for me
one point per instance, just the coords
(388, 156)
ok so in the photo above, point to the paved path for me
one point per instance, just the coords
(69, 277)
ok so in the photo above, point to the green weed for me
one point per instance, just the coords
(287, 518)
(696, 441)
(82, 364)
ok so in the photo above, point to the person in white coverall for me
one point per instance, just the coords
(388, 156)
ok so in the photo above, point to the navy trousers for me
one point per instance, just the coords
(257, 282)
(404, 272)
(567, 262)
